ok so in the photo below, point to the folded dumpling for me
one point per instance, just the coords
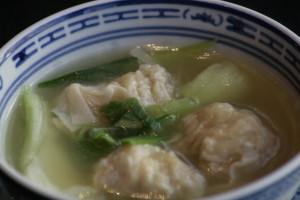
(79, 105)
(147, 171)
(224, 140)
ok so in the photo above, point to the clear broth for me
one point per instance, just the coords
(269, 96)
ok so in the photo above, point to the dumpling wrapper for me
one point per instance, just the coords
(224, 140)
(147, 171)
(79, 105)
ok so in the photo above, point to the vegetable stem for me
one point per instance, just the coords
(34, 109)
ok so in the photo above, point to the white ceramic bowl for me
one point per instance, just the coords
(93, 31)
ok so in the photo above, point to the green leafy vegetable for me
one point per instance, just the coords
(100, 139)
(129, 114)
(100, 73)
(130, 124)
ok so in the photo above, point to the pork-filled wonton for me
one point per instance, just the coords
(148, 172)
(220, 138)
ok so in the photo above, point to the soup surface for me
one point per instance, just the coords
(164, 123)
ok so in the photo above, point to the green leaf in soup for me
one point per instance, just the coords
(114, 110)
(130, 124)
(128, 113)
(101, 73)
(99, 139)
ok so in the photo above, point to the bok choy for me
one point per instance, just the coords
(219, 82)
(34, 109)
(99, 73)
(130, 124)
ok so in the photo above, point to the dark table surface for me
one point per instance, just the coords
(16, 15)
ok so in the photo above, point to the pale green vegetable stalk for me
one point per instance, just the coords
(219, 82)
(34, 109)
(181, 107)
(36, 118)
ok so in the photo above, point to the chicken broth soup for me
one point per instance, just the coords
(170, 122)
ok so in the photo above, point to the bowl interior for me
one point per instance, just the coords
(102, 31)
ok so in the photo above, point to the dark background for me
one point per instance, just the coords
(16, 15)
